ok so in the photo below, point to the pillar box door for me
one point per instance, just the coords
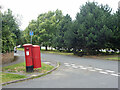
(36, 56)
(28, 57)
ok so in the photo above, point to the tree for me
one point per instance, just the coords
(0, 31)
(44, 28)
(115, 22)
(93, 27)
(59, 39)
(10, 31)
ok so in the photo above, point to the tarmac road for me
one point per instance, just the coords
(74, 72)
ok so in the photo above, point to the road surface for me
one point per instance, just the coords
(74, 72)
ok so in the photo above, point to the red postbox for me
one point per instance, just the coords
(28, 57)
(36, 56)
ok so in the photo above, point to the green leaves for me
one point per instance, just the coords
(94, 28)
(10, 32)
(44, 28)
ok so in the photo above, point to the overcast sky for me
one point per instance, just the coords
(30, 9)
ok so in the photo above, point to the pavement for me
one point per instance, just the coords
(74, 72)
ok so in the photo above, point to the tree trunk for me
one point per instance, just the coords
(46, 48)
(68, 49)
(74, 50)
(40, 47)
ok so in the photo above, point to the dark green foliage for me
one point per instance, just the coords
(10, 32)
(116, 31)
(94, 28)
(44, 28)
(61, 39)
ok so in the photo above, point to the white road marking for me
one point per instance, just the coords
(89, 67)
(73, 64)
(83, 68)
(98, 69)
(115, 75)
(80, 66)
(110, 72)
(103, 72)
(92, 70)
(66, 63)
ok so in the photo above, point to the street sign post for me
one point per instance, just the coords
(31, 34)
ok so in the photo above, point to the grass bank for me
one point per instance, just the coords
(113, 58)
(18, 71)
(16, 68)
(105, 57)
(58, 52)
(6, 77)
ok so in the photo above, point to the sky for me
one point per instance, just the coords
(27, 10)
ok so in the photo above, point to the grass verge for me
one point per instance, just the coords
(57, 52)
(15, 68)
(105, 57)
(10, 77)
(113, 58)
(19, 71)
(22, 68)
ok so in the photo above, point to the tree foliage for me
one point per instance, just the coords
(10, 31)
(44, 28)
(94, 28)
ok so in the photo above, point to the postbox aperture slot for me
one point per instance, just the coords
(27, 48)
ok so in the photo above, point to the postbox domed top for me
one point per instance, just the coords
(26, 45)
(35, 46)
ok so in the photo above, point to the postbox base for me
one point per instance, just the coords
(29, 68)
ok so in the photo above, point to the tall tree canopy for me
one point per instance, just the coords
(94, 28)
(10, 31)
(44, 28)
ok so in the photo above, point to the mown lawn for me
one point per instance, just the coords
(105, 57)
(57, 52)
(10, 77)
(113, 58)
(15, 68)
(20, 68)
